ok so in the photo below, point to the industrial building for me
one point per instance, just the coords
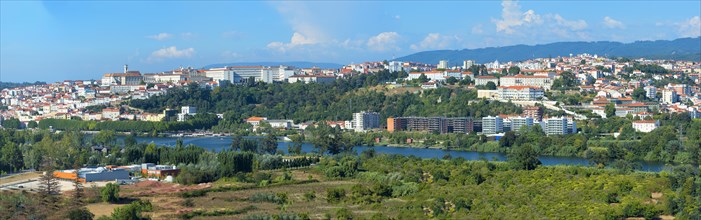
(158, 171)
(91, 174)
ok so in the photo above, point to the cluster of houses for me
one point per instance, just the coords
(593, 74)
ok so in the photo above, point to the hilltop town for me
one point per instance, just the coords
(581, 86)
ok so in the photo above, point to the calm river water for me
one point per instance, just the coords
(219, 143)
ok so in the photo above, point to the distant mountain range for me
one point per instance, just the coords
(298, 64)
(679, 49)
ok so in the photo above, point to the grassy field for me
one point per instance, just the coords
(168, 204)
(102, 209)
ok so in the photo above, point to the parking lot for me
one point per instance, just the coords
(31, 184)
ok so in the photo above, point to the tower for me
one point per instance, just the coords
(126, 68)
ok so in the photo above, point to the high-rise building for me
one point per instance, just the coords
(395, 66)
(363, 121)
(492, 125)
(650, 92)
(518, 123)
(430, 124)
(669, 96)
(442, 64)
(534, 112)
(466, 64)
(555, 126)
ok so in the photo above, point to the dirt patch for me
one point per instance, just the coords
(666, 217)
(150, 188)
(20, 177)
(102, 209)
(656, 195)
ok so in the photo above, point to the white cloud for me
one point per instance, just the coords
(161, 36)
(529, 24)
(306, 26)
(571, 24)
(383, 42)
(691, 27)
(435, 41)
(612, 23)
(477, 29)
(171, 52)
(512, 17)
(297, 39)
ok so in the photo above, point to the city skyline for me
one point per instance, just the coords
(53, 41)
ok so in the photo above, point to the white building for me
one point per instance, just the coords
(188, 110)
(442, 64)
(432, 76)
(650, 92)
(522, 93)
(363, 121)
(669, 96)
(555, 126)
(110, 113)
(466, 64)
(483, 80)
(311, 79)
(645, 125)
(518, 122)
(524, 80)
(280, 124)
(185, 112)
(492, 125)
(220, 74)
(395, 66)
(130, 78)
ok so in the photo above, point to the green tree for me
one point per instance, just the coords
(105, 137)
(269, 144)
(12, 123)
(11, 158)
(610, 110)
(80, 213)
(508, 140)
(491, 86)
(48, 185)
(524, 157)
(639, 94)
(296, 147)
(32, 124)
(423, 78)
(514, 70)
(451, 80)
(110, 193)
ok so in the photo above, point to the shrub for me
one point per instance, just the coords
(344, 214)
(335, 195)
(309, 196)
(110, 193)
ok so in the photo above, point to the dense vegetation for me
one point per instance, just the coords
(317, 102)
(199, 121)
(515, 189)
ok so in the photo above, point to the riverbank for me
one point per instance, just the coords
(217, 144)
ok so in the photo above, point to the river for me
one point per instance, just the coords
(218, 143)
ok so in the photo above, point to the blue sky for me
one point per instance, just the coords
(57, 40)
